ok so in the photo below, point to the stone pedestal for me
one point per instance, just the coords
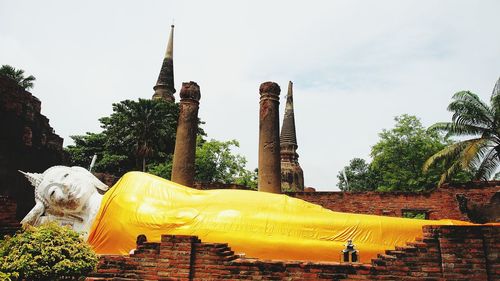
(269, 139)
(185, 143)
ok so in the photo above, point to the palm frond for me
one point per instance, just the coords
(455, 167)
(495, 100)
(488, 165)
(460, 153)
(473, 153)
(453, 129)
(448, 153)
(469, 109)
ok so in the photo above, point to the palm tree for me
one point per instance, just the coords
(145, 126)
(471, 117)
(18, 76)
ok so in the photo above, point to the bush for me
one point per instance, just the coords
(48, 252)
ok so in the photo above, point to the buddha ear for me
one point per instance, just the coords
(34, 178)
(95, 181)
(99, 184)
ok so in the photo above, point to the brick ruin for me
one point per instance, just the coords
(9, 224)
(443, 253)
(476, 201)
(27, 142)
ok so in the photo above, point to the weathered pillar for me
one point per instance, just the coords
(269, 139)
(185, 141)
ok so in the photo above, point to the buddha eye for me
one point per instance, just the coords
(65, 175)
(52, 193)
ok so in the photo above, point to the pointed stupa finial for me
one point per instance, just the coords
(164, 88)
(292, 176)
(170, 45)
(288, 135)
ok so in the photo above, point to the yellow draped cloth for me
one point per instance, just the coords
(258, 224)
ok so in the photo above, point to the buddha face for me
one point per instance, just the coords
(66, 189)
(61, 191)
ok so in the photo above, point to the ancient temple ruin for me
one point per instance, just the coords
(292, 176)
(183, 169)
(164, 88)
(269, 153)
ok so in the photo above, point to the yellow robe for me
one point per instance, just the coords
(258, 224)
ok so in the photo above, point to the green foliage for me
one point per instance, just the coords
(400, 153)
(18, 76)
(359, 176)
(86, 146)
(8, 276)
(146, 127)
(47, 252)
(135, 133)
(248, 178)
(140, 135)
(414, 215)
(163, 170)
(214, 162)
(479, 155)
(397, 160)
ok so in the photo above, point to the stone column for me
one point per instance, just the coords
(185, 141)
(269, 139)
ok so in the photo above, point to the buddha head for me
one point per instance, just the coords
(62, 191)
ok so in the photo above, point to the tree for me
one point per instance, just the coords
(214, 162)
(18, 76)
(147, 127)
(135, 133)
(400, 153)
(141, 135)
(90, 144)
(359, 176)
(471, 117)
(48, 252)
(397, 160)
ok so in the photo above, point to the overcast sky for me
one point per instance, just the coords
(355, 64)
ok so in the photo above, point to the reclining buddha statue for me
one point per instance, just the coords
(257, 224)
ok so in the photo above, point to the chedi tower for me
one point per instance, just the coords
(292, 176)
(164, 88)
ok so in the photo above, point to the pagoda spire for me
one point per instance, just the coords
(292, 176)
(164, 88)
(288, 135)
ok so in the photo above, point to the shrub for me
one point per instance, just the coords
(48, 252)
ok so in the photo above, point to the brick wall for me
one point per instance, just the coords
(8, 222)
(216, 185)
(444, 253)
(27, 143)
(440, 203)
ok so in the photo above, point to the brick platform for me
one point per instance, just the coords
(444, 253)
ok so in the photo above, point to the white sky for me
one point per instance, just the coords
(355, 64)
